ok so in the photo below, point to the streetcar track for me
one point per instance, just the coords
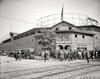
(57, 73)
(46, 69)
(84, 73)
(33, 68)
(71, 76)
(33, 71)
(38, 70)
(30, 69)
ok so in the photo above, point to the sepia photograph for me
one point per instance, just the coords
(49, 39)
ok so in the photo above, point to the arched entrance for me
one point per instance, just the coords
(60, 47)
(67, 47)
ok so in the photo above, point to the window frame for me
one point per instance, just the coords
(70, 28)
(75, 35)
(83, 36)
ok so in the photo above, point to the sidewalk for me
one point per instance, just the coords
(9, 64)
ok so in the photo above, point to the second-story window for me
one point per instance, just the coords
(70, 28)
(32, 33)
(56, 29)
(75, 35)
(38, 31)
(83, 36)
(96, 37)
(21, 36)
(26, 34)
(17, 37)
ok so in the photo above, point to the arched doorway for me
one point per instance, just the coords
(60, 47)
(67, 47)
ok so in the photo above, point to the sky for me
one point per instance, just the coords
(22, 15)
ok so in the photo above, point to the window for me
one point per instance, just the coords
(32, 40)
(21, 36)
(32, 33)
(75, 35)
(96, 37)
(56, 28)
(70, 28)
(26, 34)
(66, 37)
(17, 37)
(60, 38)
(39, 31)
(83, 36)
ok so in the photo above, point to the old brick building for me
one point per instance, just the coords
(66, 36)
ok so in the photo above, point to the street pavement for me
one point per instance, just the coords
(52, 69)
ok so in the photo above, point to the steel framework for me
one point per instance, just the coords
(74, 18)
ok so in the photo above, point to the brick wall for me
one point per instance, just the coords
(79, 41)
(22, 43)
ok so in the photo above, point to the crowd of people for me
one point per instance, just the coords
(71, 55)
(17, 54)
(61, 55)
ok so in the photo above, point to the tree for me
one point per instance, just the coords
(46, 40)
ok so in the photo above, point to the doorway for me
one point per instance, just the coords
(60, 47)
(67, 47)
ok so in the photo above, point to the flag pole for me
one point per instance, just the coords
(62, 14)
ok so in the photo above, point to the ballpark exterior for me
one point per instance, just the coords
(66, 35)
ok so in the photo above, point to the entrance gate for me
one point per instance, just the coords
(66, 47)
